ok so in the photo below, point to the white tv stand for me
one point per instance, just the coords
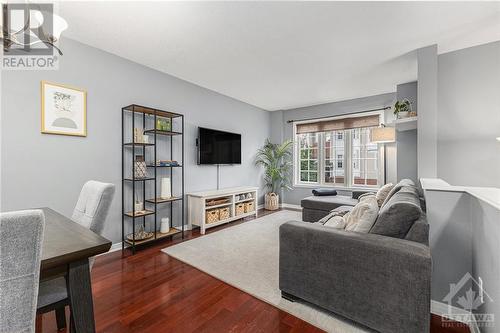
(197, 205)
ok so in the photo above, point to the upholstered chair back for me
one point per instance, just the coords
(21, 236)
(93, 205)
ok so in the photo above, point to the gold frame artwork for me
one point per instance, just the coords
(46, 131)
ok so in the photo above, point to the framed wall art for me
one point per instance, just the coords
(64, 109)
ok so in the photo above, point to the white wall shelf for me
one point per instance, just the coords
(197, 205)
(405, 124)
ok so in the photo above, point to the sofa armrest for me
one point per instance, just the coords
(379, 281)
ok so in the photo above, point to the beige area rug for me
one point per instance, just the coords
(246, 257)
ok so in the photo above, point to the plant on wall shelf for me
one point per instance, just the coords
(402, 108)
(277, 162)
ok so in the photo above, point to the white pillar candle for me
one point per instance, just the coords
(164, 226)
(165, 188)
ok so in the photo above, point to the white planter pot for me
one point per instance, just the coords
(402, 115)
(271, 201)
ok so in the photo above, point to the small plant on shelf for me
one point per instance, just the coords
(277, 162)
(402, 109)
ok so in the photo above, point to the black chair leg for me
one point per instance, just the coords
(61, 318)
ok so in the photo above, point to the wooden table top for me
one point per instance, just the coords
(66, 241)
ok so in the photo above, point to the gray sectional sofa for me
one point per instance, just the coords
(379, 279)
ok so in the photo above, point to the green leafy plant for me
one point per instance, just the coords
(402, 106)
(277, 162)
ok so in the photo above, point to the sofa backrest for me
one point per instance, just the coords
(397, 217)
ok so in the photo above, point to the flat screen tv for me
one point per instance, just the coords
(218, 147)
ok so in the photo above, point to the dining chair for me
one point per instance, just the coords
(90, 211)
(21, 236)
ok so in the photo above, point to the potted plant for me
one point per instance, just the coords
(402, 108)
(277, 162)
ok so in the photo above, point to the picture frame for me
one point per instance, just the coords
(64, 109)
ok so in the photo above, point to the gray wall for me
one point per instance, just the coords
(469, 116)
(333, 109)
(406, 141)
(49, 170)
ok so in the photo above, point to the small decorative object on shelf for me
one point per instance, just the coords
(212, 215)
(167, 163)
(165, 225)
(163, 124)
(217, 201)
(138, 138)
(139, 167)
(249, 195)
(140, 235)
(138, 207)
(165, 188)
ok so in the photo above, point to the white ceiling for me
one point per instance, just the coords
(281, 55)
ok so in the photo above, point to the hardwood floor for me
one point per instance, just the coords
(152, 292)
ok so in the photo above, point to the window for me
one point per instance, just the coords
(344, 158)
(308, 157)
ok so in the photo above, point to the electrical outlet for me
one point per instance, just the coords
(481, 290)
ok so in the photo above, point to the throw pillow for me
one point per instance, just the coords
(337, 222)
(363, 215)
(396, 188)
(332, 214)
(383, 192)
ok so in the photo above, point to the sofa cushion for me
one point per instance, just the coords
(419, 231)
(362, 217)
(398, 215)
(327, 203)
(383, 193)
(396, 188)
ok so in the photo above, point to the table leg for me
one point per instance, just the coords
(80, 297)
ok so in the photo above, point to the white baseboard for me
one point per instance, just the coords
(443, 309)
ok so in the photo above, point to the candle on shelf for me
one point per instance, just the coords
(165, 188)
(164, 227)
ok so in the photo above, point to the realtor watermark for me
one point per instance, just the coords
(467, 303)
(30, 36)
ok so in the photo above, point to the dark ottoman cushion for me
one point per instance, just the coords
(327, 203)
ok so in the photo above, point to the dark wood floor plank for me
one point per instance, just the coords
(153, 292)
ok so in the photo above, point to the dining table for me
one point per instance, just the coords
(66, 249)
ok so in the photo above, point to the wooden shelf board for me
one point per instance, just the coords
(159, 235)
(138, 144)
(151, 111)
(145, 213)
(164, 166)
(139, 179)
(161, 200)
(161, 132)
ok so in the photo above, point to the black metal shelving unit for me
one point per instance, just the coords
(150, 114)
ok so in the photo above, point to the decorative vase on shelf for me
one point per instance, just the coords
(139, 167)
(271, 201)
(165, 188)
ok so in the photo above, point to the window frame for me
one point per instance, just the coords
(347, 160)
